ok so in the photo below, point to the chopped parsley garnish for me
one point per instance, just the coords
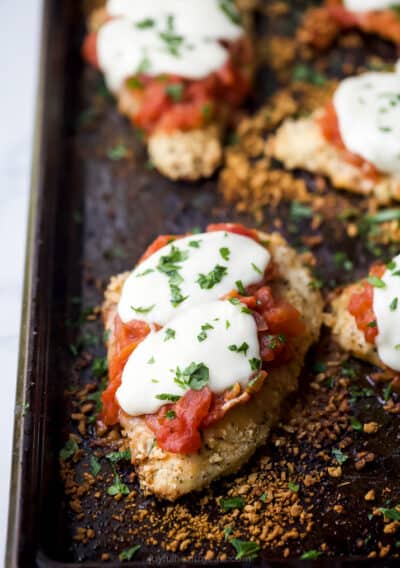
(383, 216)
(194, 244)
(169, 334)
(294, 487)
(144, 24)
(114, 457)
(255, 364)
(203, 334)
(393, 304)
(118, 488)
(303, 72)
(299, 211)
(118, 152)
(169, 265)
(255, 267)
(311, 555)
(387, 391)
(234, 301)
(151, 361)
(397, 347)
(175, 92)
(144, 65)
(339, 456)
(170, 414)
(227, 324)
(206, 111)
(391, 265)
(208, 281)
(229, 9)
(129, 553)
(144, 273)
(99, 367)
(245, 549)
(240, 287)
(376, 282)
(355, 424)
(69, 449)
(246, 310)
(342, 261)
(227, 532)
(225, 253)
(195, 376)
(232, 503)
(173, 42)
(390, 514)
(134, 83)
(263, 497)
(168, 397)
(95, 466)
(239, 348)
(372, 324)
(142, 310)
(319, 367)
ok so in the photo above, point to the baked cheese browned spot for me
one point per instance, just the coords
(345, 330)
(229, 443)
(300, 144)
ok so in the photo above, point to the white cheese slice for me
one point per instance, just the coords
(367, 5)
(218, 336)
(199, 268)
(368, 111)
(387, 311)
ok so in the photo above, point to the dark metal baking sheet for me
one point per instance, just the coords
(91, 218)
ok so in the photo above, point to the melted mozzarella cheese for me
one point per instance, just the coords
(163, 37)
(367, 5)
(196, 269)
(217, 335)
(387, 312)
(201, 18)
(368, 111)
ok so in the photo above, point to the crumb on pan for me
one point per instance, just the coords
(186, 155)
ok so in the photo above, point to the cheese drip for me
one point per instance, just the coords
(218, 337)
(367, 5)
(386, 306)
(174, 37)
(191, 271)
(368, 111)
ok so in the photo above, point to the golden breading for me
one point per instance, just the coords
(345, 330)
(300, 144)
(228, 444)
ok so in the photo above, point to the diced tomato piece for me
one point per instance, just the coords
(234, 228)
(89, 49)
(272, 347)
(157, 244)
(180, 433)
(361, 306)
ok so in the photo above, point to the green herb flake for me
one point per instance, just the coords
(307, 74)
(194, 244)
(383, 216)
(207, 111)
(255, 267)
(95, 466)
(208, 281)
(245, 549)
(387, 392)
(339, 456)
(391, 514)
(355, 424)
(263, 497)
(144, 273)
(129, 553)
(151, 361)
(299, 211)
(240, 348)
(170, 414)
(294, 487)
(175, 92)
(135, 83)
(393, 304)
(203, 334)
(118, 152)
(168, 397)
(227, 532)
(118, 488)
(69, 449)
(225, 253)
(115, 457)
(145, 24)
(376, 282)
(234, 301)
(144, 65)
(240, 287)
(196, 376)
(232, 503)
(169, 334)
(319, 367)
(227, 324)
(142, 310)
(311, 555)
(255, 364)
(342, 261)
(229, 9)
(99, 367)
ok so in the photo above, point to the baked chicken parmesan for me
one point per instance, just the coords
(322, 25)
(354, 141)
(206, 337)
(366, 316)
(178, 69)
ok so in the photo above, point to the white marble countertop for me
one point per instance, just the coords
(19, 53)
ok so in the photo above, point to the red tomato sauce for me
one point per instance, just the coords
(170, 102)
(329, 125)
(361, 306)
(177, 426)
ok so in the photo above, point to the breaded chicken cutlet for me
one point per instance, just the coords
(274, 312)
